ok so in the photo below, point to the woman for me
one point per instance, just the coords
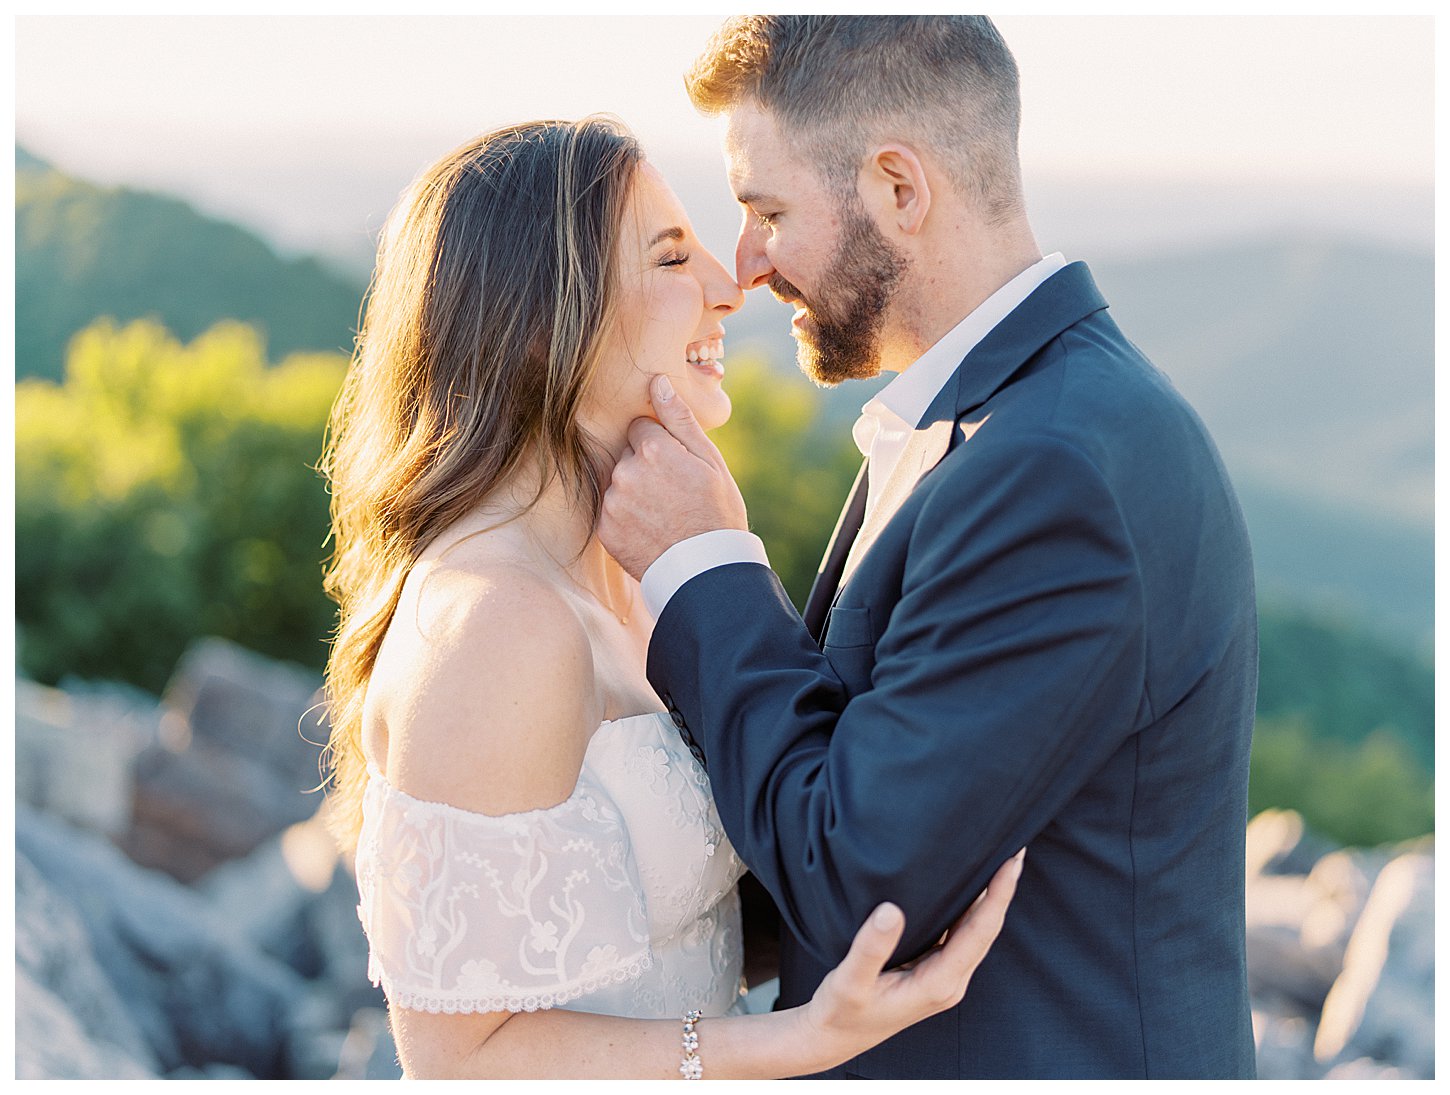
(545, 884)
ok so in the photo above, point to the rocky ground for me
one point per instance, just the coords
(180, 911)
(194, 919)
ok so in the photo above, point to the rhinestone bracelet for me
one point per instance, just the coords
(690, 1067)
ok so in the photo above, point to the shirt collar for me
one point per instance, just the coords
(908, 396)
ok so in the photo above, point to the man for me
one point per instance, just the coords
(1042, 634)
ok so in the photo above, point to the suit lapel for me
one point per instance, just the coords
(1062, 300)
(1067, 297)
(828, 577)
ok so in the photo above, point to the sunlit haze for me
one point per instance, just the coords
(307, 127)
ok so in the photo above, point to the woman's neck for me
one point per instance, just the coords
(557, 526)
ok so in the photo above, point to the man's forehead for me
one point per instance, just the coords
(753, 148)
(749, 129)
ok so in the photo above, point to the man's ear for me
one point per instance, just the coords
(894, 186)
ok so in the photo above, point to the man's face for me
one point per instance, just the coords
(812, 247)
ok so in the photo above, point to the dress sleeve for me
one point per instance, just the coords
(470, 913)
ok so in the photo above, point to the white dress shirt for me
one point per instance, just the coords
(881, 432)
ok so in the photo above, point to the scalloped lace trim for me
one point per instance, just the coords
(533, 1001)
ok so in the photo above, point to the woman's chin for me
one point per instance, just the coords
(712, 409)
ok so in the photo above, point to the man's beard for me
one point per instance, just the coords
(841, 336)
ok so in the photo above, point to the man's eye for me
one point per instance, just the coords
(766, 219)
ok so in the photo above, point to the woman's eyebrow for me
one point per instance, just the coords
(675, 232)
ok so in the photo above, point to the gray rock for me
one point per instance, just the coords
(1280, 966)
(1339, 885)
(368, 1053)
(295, 897)
(210, 1072)
(197, 990)
(204, 805)
(53, 953)
(1382, 1005)
(266, 895)
(248, 704)
(1278, 842)
(1285, 1045)
(1365, 1068)
(343, 947)
(229, 767)
(52, 1044)
(74, 753)
(315, 1041)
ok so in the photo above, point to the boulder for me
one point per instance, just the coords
(368, 1053)
(52, 1044)
(315, 1039)
(1298, 926)
(195, 988)
(74, 753)
(1339, 885)
(210, 1072)
(295, 897)
(1284, 1042)
(1366, 1068)
(1278, 842)
(251, 705)
(202, 805)
(230, 767)
(70, 1023)
(1382, 1005)
(1281, 968)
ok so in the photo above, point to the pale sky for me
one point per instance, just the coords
(294, 120)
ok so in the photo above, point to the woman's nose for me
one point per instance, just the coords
(723, 295)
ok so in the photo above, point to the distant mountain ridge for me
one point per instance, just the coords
(1311, 359)
(83, 251)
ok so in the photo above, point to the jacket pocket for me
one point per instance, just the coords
(849, 627)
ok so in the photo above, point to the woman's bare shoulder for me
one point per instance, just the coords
(488, 689)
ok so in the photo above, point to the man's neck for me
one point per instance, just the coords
(947, 287)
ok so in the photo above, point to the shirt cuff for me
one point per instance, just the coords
(696, 555)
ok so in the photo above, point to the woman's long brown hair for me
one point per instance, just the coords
(493, 287)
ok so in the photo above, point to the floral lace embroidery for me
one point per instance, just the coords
(619, 900)
(472, 913)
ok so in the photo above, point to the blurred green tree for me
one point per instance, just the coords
(1361, 793)
(793, 467)
(1331, 674)
(166, 491)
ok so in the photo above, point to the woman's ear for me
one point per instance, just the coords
(894, 186)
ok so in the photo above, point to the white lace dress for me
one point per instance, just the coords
(620, 900)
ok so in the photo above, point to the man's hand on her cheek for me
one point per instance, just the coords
(670, 484)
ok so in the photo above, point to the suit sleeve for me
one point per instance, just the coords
(1010, 669)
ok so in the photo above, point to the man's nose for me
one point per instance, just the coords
(752, 267)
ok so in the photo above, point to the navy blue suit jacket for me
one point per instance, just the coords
(1051, 643)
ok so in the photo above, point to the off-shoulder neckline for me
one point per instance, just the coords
(376, 774)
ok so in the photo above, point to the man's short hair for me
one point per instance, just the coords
(946, 82)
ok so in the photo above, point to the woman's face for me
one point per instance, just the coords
(673, 295)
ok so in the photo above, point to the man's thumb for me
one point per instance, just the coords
(662, 393)
(676, 417)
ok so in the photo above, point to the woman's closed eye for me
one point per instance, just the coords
(675, 258)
